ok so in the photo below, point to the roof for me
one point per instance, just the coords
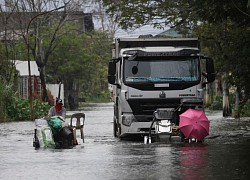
(174, 33)
(156, 42)
(22, 67)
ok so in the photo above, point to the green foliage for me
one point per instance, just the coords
(185, 13)
(222, 26)
(41, 109)
(82, 58)
(19, 110)
(228, 45)
(6, 94)
(79, 57)
(218, 101)
(245, 110)
(136, 13)
(15, 109)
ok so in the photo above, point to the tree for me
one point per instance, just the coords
(107, 23)
(33, 20)
(80, 61)
(223, 27)
(136, 13)
(227, 40)
(41, 51)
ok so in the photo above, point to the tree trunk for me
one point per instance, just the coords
(209, 96)
(237, 103)
(71, 92)
(226, 103)
(43, 84)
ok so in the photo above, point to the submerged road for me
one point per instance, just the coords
(223, 155)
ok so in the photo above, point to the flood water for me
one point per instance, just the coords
(223, 155)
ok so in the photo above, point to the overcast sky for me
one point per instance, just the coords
(120, 33)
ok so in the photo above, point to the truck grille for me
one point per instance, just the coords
(148, 106)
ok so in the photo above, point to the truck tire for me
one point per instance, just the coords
(118, 130)
(115, 129)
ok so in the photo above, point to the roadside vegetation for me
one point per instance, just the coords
(223, 28)
(82, 58)
(62, 49)
(64, 53)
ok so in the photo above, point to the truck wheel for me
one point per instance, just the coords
(118, 131)
(115, 129)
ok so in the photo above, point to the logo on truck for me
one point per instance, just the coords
(162, 94)
(136, 95)
(185, 95)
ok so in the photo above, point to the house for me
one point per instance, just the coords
(13, 26)
(23, 76)
(22, 68)
(17, 22)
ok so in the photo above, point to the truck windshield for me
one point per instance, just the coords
(162, 70)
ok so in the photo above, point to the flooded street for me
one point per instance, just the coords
(223, 155)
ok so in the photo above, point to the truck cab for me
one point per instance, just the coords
(154, 73)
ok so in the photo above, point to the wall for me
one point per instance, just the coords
(54, 89)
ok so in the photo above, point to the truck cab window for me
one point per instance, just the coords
(162, 70)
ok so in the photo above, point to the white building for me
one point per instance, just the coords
(22, 68)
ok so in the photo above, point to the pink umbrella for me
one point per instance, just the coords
(194, 124)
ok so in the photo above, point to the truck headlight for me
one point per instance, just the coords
(127, 119)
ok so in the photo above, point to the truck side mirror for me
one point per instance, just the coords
(111, 79)
(111, 72)
(112, 68)
(210, 70)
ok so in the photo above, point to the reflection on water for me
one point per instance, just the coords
(223, 155)
(140, 161)
(193, 161)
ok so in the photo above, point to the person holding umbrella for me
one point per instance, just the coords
(194, 124)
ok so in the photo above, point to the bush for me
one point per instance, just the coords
(6, 96)
(245, 111)
(217, 104)
(41, 109)
(15, 109)
(19, 110)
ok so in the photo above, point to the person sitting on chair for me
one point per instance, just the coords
(58, 109)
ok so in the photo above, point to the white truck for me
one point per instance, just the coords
(154, 74)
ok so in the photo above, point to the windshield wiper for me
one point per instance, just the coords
(168, 79)
(148, 79)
